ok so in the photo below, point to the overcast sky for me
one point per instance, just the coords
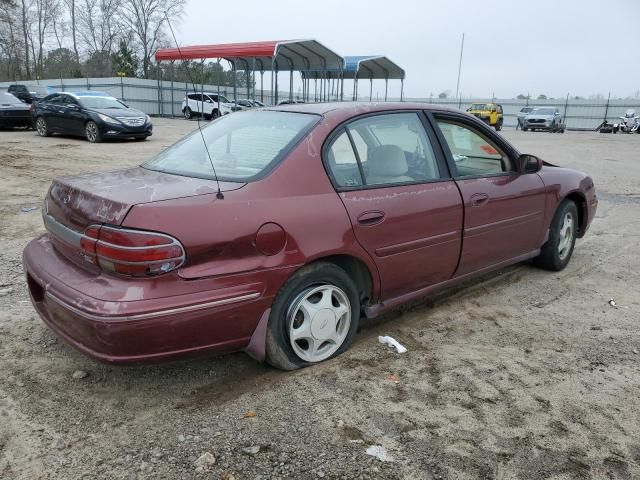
(511, 46)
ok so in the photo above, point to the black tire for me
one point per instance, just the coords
(499, 125)
(92, 132)
(188, 114)
(42, 128)
(525, 129)
(550, 257)
(279, 351)
(216, 113)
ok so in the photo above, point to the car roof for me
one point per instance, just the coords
(358, 107)
(88, 93)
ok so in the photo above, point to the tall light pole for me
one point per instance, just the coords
(460, 66)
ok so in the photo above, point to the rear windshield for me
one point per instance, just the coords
(243, 146)
(480, 106)
(8, 99)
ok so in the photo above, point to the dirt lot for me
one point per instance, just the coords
(523, 374)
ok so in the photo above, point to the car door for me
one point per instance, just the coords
(405, 209)
(50, 108)
(503, 209)
(71, 116)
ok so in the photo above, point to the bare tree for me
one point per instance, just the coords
(146, 19)
(73, 26)
(26, 31)
(98, 23)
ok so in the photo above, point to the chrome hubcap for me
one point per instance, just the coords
(318, 322)
(41, 127)
(92, 131)
(566, 236)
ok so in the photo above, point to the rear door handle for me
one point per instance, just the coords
(373, 217)
(478, 199)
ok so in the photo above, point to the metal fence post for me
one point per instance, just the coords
(566, 105)
(606, 110)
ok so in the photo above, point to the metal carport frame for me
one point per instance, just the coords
(274, 56)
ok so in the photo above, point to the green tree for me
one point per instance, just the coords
(125, 61)
(60, 63)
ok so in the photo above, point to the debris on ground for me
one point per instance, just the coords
(29, 209)
(79, 374)
(205, 462)
(5, 291)
(612, 303)
(392, 342)
(253, 450)
(394, 378)
(250, 415)
(380, 453)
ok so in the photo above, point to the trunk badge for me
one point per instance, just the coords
(66, 199)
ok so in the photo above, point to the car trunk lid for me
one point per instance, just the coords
(74, 203)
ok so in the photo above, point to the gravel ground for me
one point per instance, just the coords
(521, 374)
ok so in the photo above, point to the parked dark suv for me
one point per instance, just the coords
(93, 115)
(21, 92)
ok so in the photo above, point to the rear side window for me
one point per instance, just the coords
(243, 146)
(387, 149)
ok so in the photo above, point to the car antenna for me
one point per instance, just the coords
(219, 195)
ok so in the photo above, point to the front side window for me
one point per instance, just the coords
(389, 149)
(242, 146)
(474, 155)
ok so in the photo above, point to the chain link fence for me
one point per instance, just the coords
(164, 98)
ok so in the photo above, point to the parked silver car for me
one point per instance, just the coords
(524, 111)
(544, 118)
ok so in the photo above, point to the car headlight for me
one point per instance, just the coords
(148, 119)
(108, 119)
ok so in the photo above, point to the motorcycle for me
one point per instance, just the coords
(630, 123)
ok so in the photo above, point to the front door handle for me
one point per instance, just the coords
(478, 199)
(372, 217)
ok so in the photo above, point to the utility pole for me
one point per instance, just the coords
(460, 66)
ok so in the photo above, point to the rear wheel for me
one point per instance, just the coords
(556, 253)
(216, 113)
(92, 132)
(188, 114)
(524, 129)
(499, 125)
(42, 128)
(313, 318)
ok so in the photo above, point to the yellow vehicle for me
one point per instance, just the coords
(491, 113)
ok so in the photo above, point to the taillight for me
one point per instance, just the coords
(131, 252)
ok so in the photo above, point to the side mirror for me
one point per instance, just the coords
(529, 163)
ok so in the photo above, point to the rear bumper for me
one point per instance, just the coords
(124, 332)
(15, 119)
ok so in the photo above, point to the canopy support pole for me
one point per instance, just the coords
(172, 105)
(402, 89)
(201, 104)
(235, 86)
(342, 86)
(262, 86)
(218, 82)
(370, 88)
(291, 84)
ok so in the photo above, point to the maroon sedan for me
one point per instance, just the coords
(322, 213)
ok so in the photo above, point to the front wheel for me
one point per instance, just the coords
(188, 114)
(525, 129)
(313, 318)
(499, 125)
(92, 132)
(556, 252)
(216, 114)
(42, 128)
